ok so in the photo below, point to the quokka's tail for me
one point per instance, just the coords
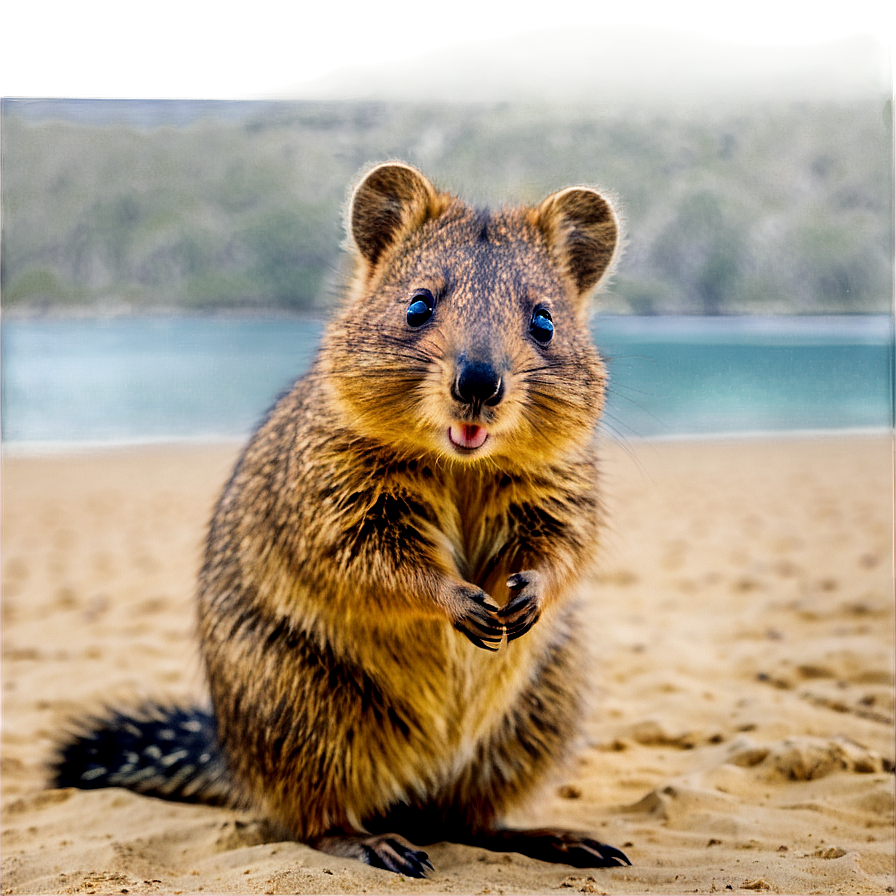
(162, 751)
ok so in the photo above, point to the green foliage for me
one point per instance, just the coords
(43, 290)
(768, 209)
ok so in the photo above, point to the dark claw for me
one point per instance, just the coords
(611, 853)
(414, 866)
(517, 605)
(416, 863)
(479, 633)
(474, 640)
(392, 855)
(520, 613)
(520, 630)
(488, 631)
(523, 624)
(481, 598)
(582, 855)
(480, 624)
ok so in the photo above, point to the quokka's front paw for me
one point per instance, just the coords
(477, 618)
(524, 608)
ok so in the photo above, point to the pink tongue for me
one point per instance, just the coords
(468, 435)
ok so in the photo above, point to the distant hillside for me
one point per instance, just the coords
(763, 207)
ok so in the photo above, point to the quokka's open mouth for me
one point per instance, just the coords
(467, 436)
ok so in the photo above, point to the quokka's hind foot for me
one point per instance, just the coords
(387, 851)
(553, 845)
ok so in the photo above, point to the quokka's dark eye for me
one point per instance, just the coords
(542, 326)
(421, 308)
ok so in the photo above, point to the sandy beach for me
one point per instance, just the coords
(742, 736)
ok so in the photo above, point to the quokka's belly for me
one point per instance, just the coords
(481, 690)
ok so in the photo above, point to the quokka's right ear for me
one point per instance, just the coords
(392, 199)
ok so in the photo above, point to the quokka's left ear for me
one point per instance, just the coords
(582, 232)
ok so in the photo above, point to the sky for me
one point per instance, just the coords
(276, 49)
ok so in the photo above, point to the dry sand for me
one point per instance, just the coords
(743, 733)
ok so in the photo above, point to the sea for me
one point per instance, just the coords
(69, 383)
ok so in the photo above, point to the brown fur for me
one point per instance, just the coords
(355, 545)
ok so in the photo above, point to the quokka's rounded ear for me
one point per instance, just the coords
(582, 232)
(391, 198)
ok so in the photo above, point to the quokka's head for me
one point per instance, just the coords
(465, 333)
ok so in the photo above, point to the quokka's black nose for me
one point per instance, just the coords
(477, 382)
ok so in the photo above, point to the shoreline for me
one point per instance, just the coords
(59, 448)
(741, 736)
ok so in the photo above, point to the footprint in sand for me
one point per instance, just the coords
(805, 758)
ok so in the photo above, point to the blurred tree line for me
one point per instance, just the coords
(766, 209)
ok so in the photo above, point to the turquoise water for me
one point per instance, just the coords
(137, 380)
(711, 376)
